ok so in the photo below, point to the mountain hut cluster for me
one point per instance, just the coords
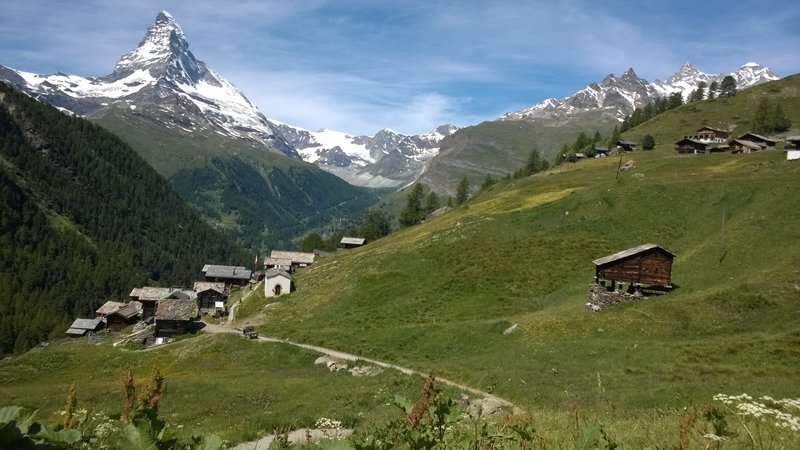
(158, 314)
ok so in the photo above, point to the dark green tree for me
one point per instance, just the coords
(713, 89)
(674, 100)
(488, 182)
(648, 143)
(376, 226)
(413, 212)
(727, 88)
(779, 120)
(462, 193)
(312, 241)
(431, 202)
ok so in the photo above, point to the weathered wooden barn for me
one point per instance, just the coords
(692, 146)
(174, 316)
(209, 295)
(647, 265)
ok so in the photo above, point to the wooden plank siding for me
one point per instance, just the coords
(652, 267)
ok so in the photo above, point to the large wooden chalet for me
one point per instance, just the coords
(709, 135)
(644, 266)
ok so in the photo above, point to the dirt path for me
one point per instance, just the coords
(228, 328)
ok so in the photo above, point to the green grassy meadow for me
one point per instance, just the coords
(444, 296)
(440, 295)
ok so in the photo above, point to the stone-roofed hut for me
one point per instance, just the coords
(744, 146)
(82, 327)
(298, 260)
(692, 146)
(126, 315)
(229, 275)
(209, 294)
(149, 297)
(627, 146)
(763, 141)
(174, 316)
(647, 265)
(277, 283)
(351, 242)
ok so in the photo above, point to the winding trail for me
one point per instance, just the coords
(228, 327)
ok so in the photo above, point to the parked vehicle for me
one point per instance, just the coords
(250, 332)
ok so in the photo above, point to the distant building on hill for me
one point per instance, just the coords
(229, 275)
(709, 135)
(743, 146)
(764, 142)
(174, 316)
(687, 145)
(82, 327)
(351, 242)
(276, 283)
(644, 266)
(211, 296)
(627, 146)
(288, 261)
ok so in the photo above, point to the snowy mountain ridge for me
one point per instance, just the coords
(621, 95)
(387, 159)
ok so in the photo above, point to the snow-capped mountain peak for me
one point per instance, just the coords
(164, 39)
(163, 77)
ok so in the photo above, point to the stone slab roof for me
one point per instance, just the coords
(629, 252)
(232, 272)
(295, 257)
(274, 273)
(175, 309)
(352, 240)
(202, 286)
(109, 307)
(81, 326)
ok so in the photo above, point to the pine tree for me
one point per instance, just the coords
(727, 88)
(431, 202)
(412, 213)
(462, 194)
(712, 89)
(648, 143)
(488, 182)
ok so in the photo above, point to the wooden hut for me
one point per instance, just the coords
(647, 265)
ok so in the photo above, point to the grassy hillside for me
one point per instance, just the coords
(261, 199)
(500, 147)
(732, 113)
(441, 295)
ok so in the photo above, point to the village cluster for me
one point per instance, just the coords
(712, 140)
(161, 313)
(716, 140)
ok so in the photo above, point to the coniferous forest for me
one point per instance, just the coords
(83, 219)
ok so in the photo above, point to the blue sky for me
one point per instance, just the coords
(360, 66)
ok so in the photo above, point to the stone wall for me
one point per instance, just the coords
(600, 298)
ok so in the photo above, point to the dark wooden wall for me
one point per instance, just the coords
(653, 267)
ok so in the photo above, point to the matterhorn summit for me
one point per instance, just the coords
(160, 78)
